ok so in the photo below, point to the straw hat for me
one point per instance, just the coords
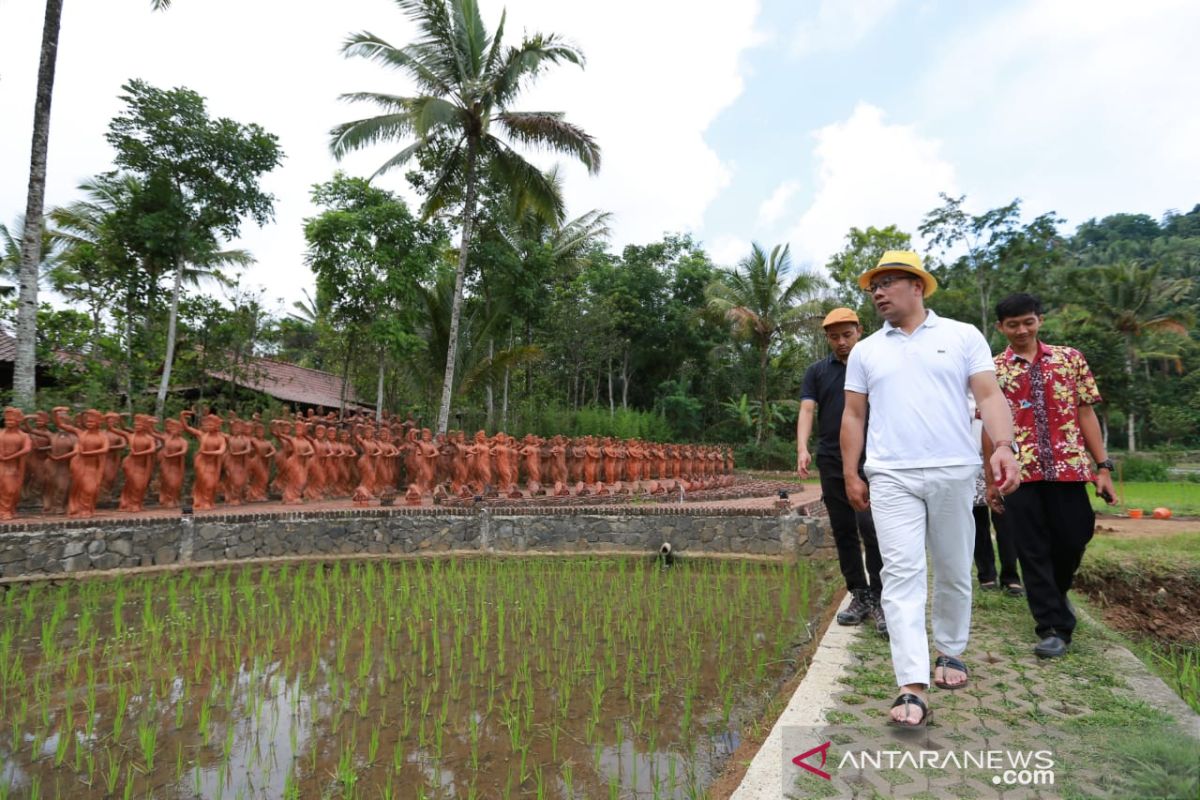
(904, 260)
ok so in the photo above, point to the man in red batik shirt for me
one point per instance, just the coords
(1051, 391)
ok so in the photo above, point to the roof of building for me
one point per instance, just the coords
(290, 383)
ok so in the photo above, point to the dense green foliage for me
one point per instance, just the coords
(495, 301)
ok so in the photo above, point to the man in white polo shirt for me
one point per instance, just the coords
(921, 463)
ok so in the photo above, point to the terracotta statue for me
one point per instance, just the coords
(445, 459)
(58, 471)
(87, 461)
(531, 451)
(208, 461)
(15, 447)
(37, 467)
(299, 452)
(258, 465)
(170, 462)
(138, 465)
(592, 454)
(364, 435)
(505, 476)
(112, 459)
(315, 487)
(480, 456)
(558, 465)
(460, 467)
(236, 470)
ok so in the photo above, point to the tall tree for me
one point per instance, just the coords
(983, 235)
(200, 178)
(466, 83)
(370, 256)
(861, 253)
(762, 302)
(24, 370)
(1134, 301)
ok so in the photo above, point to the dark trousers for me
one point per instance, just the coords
(853, 533)
(1051, 523)
(985, 556)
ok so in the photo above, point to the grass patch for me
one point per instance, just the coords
(1181, 497)
(1173, 552)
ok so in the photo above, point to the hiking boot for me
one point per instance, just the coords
(858, 610)
(878, 618)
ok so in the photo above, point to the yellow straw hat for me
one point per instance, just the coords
(904, 260)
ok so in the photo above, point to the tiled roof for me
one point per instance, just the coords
(290, 383)
(8, 351)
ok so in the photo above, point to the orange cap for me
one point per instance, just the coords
(839, 315)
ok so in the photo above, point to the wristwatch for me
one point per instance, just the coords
(1106, 464)
(1011, 444)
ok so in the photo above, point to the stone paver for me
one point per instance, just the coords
(1082, 718)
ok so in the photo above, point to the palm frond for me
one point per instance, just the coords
(445, 187)
(420, 62)
(360, 133)
(525, 61)
(549, 130)
(492, 369)
(530, 185)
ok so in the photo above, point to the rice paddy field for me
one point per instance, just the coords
(564, 677)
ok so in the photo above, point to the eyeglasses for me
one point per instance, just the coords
(886, 281)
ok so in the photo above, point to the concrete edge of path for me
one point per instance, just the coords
(811, 701)
(1147, 686)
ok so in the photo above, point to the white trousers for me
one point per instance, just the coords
(912, 508)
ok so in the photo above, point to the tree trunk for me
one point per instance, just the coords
(625, 380)
(489, 394)
(1131, 415)
(612, 409)
(504, 403)
(25, 366)
(762, 394)
(164, 384)
(379, 389)
(459, 276)
(1104, 428)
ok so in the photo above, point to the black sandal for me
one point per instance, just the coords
(988, 586)
(1014, 590)
(952, 663)
(907, 699)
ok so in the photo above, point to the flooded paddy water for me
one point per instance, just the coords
(564, 677)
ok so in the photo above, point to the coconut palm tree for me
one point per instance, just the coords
(762, 304)
(1132, 300)
(466, 83)
(24, 381)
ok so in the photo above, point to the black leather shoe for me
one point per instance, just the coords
(1053, 646)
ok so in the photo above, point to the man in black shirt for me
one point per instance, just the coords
(853, 531)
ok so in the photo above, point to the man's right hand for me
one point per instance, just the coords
(803, 459)
(858, 493)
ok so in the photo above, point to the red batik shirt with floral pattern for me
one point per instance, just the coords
(1045, 397)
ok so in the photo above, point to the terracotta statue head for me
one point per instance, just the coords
(13, 417)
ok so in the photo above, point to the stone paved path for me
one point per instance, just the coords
(1110, 728)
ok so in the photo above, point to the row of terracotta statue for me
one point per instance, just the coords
(75, 464)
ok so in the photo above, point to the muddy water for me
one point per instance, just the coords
(576, 678)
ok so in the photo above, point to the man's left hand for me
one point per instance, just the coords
(1006, 475)
(1104, 487)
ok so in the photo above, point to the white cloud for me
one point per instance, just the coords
(726, 250)
(775, 206)
(657, 75)
(868, 172)
(1082, 107)
(839, 24)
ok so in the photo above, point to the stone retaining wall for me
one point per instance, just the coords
(75, 546)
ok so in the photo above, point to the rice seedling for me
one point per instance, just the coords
(484, 663)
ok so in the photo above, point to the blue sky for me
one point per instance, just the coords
(754, 120)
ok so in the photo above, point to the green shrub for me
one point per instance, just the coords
(773, 454)
(1138, 468)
